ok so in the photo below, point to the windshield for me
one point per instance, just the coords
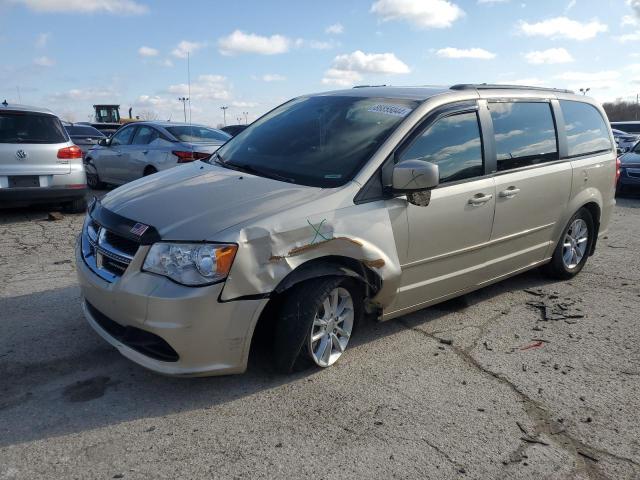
(320, 141)
(30, 128)
(197, 134)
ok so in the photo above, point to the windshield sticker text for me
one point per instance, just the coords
(388, 109)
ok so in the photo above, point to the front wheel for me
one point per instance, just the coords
(574, 247)
(316, 322)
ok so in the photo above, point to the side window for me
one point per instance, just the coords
(453, 143)
(145, 135)
(525, 134)
(585, 128)
(122, 137)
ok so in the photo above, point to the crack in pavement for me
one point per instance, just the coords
(540, 416)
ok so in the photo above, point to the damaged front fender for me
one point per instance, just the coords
(269, 251)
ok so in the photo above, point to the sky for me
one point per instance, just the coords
(252, 55)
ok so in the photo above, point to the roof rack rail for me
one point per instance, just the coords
(369, 86)
(492, 86)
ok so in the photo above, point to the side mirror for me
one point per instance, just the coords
(416, 178)
(104, 142)
(619, 151)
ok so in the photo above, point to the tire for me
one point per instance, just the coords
(149, 171)
(302, 312)
(79, 205)
(570, 256)
(93, 180)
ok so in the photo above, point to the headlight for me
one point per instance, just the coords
(191, 264)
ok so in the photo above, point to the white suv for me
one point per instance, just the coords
(38, 161)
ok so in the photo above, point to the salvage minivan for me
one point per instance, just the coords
(373, 200)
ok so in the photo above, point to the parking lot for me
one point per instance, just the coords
(524, 379)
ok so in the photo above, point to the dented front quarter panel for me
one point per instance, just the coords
(270, 249)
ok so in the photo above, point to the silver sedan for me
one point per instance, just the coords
(142, 148)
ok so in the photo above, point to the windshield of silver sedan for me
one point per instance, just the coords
(320, 141)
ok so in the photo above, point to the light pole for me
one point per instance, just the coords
(224, 113)
(246, 117)
(584, 90)
(184, 101)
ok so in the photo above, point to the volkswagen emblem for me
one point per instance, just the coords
(21, 155)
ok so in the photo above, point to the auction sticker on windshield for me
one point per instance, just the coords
(390, 109)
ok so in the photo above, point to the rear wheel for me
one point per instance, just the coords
(316, 322)
(149, 171)
(93, 180)
(78, 205)
(574, 246)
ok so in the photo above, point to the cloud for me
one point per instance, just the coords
(349, 68)
(635, 6)
(335, 29)
(421, 13)
(122, 7)
(87, 94)
(147, 52)
(550, 56)
(243, 104)
(239, 42)
(531, 82)
(563, 27)
(206, 87)
(492, 1)
(479, 53)
(628, 21)
(44, 62)
(345, 78)
(628, 37)
(317, 45)
(42, 39)
(605, 79)
(273, 77)
(186, 47)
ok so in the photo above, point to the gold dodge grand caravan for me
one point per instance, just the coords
(377, 199)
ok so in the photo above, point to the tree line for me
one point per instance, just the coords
(621, 110)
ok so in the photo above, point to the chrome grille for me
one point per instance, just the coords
(105, 252)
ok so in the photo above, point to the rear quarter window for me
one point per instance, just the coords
(586, 130)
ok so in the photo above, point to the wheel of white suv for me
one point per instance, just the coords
(572, 251)
(316, 322)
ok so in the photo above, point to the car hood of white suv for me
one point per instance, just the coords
(194, 202)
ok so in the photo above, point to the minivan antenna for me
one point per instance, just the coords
(19, 95)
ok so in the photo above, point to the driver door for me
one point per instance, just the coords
(447, 238)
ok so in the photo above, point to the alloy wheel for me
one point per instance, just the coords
(332, 327)
(575, 243)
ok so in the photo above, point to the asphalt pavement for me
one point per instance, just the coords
(524, 379)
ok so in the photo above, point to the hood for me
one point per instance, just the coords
(194, 202)
(630, 158)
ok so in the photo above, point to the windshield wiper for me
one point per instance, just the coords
(256, 171)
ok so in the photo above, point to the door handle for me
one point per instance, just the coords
(145, 152)
(509, 192)
(480, 199)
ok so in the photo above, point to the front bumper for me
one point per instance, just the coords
(629, 176)
(209, 337)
